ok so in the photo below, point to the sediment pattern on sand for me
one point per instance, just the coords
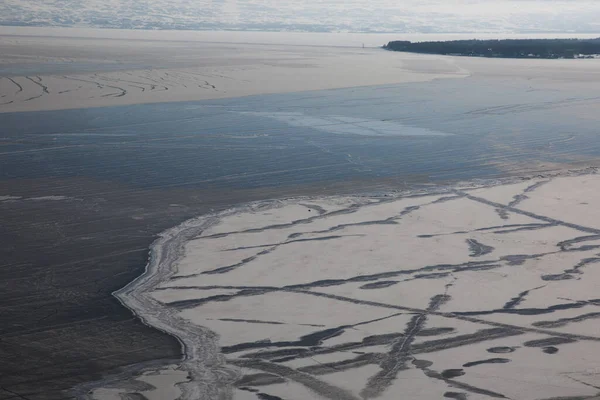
(419, 296)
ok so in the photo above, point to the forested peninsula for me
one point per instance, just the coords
(510, 48)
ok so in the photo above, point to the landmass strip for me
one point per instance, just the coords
(510, 48)
(376, 296)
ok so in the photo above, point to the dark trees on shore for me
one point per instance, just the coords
(511, 48)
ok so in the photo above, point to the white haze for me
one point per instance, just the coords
(422, 16)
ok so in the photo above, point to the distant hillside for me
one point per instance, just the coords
(513, 48)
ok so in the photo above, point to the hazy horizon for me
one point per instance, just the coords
(410, 16)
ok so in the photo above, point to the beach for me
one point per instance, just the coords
(81, 72)
(485, 291)
(56, 69)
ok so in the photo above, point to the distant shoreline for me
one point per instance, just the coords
(286, 38)
(508, 48)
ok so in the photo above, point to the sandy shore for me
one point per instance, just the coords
(62, 73)
(477, 290)
(74, 70)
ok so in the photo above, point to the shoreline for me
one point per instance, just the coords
(528, 48)
(195, 67)
(164, 252)
(162, 71)
(95, 228)
(265, 36)
(209, 374)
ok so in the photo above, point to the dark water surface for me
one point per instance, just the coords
(443, 130)
(127, 173)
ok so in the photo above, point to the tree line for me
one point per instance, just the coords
(508, 48)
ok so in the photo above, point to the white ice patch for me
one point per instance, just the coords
(51, 198)
(39, 198)
(348, 125)
(9, 198)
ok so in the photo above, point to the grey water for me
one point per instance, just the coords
(128, 173)
(444, 130)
